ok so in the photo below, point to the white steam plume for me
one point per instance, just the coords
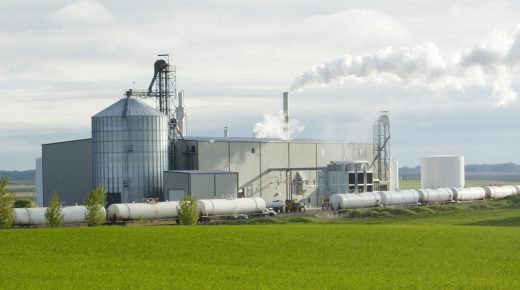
(488, 64)
(272, 127)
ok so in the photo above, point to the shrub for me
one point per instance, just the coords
(53, 215)
(95, 201)
(24, 203)
(6, 205)
(189, 212)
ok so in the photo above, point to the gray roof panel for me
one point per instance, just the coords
(135, 108)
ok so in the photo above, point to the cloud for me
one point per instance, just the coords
(83, 13)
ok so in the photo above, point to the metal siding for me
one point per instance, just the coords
(274, 155)
(213, 156)
(329, 152)
(202, 186)
(226, 185)
(67, 169)
(247, 164)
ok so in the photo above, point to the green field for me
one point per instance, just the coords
(463, 246)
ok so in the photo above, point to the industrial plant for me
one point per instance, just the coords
(146, 159)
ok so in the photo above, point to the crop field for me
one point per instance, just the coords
(464, 246)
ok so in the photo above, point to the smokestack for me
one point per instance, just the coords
(181, 114)
(286, 115)
(226, 132)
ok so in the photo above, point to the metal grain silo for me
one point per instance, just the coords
(130, 150)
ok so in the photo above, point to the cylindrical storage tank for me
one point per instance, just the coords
(74, 214)
(405, 197)
(442, 171)
(21, 216)
(394, 175)
(434, 195)
(130, 150)
(517, 187)
(231, 206)
(499, 191)
(350, 200)
(276, 204)
(468, 193)
(168, 209)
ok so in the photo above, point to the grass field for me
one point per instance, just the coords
(464, 246)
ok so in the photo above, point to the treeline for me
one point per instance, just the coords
(501, 167)
(18, 175)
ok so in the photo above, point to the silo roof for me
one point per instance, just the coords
(133, 107)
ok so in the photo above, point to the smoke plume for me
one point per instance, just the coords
(488, 64)
(272, 127)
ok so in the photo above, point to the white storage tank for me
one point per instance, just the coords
(36, 216)
(468, 193)
(442, 171)
(351, 200)
(499, 191)
(405, 197)
(210, 207)
(435, 195)
(145, 211)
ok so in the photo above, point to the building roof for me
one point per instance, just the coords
(265, 140)
(201, 171)
(129, 107)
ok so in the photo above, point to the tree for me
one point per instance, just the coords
(6, 205)
(189, 212)
(24, 203)
(53, 214)
(95, 202)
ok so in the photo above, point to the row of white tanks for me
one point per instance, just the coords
(36, 216)
(419, 196)
(170, 209)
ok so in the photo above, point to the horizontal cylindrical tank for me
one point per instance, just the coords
(442, 171)
(517, 187)
(468, 193)
(350, 200)
(36, 216)
(434, 195)
(145, 211)
(499, 191)
(276, 204)
(231, 206)
(404, 197)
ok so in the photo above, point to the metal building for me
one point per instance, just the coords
(67, 170)
(130, 150)
(269, 168)
(201, 184)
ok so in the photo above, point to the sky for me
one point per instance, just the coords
(63, 61)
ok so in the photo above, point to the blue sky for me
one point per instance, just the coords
(63, 61)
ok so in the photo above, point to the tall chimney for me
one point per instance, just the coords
(181, 114)
(226, 132)
(286, 115)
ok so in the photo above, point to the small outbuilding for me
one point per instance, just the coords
(201, 184)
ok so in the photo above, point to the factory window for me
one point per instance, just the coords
(253, 150)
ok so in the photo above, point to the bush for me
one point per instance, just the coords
(95, 202)
(24, 203)
(189, 212)
(6, 205)
(53, 215)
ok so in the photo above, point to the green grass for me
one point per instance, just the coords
(456, 246)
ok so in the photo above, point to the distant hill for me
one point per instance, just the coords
(19, 175)
(501, 167)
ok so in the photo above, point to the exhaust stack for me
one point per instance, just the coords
(181, 114)
(286, 115)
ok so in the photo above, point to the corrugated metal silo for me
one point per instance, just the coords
(130, 150)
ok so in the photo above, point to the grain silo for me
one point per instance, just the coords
(130, 150)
